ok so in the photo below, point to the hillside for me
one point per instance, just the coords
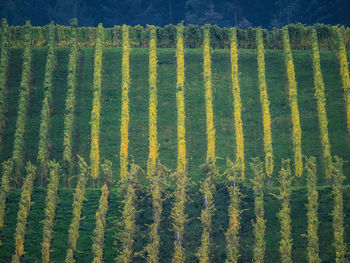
(196, 145)
(194, 102)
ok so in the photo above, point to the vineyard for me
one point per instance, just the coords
(174, 144)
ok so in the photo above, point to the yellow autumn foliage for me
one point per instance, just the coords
(7, 167)
(4, 59)
(208, 97)
(207, 189)
(180, 100)
(152, 124)
(124, 127)
(293, 102)
(46, 104)
(50, 210)
(18, 142)
(264, 100)
(96, 106)
(321, 105)
(128, 224)
(70, 103)
(100, 227)
(23, 212)
(234, 180)
(237, 103)
(344, 72)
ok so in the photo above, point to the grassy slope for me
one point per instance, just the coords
(196, 142)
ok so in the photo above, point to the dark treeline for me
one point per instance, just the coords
(267, 13)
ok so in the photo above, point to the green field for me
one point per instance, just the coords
(281, 126)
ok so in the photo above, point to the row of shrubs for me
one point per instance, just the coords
(193, 36)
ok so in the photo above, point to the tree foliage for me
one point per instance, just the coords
(100, 228)
(17, 153)
(312, 207)
(234, 180)
(258, 183)
(344, 71)
(128, 224)
(124, 127)
(3, 72)
(70, 104)
(43, 153)
(23, 212)
(321, 105)
(293, 102)
(207, 189)
(178, 211)
(50, 210)
(208, 97)
(7, 167)
(237, 103)
(338, 211)
(286, 242)
(265, 104)
(79, 197)
(96, 107)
